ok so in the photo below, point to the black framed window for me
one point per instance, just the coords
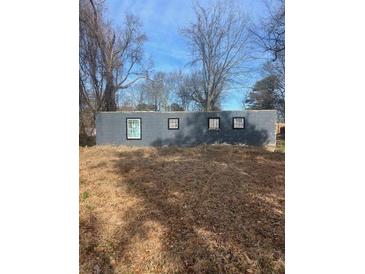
(238, 122)
(214, 123)
(134, 128)
(173, 123)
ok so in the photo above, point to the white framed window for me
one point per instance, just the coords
(238, 122)
(134, 128)
(214, 123)
(173, 123)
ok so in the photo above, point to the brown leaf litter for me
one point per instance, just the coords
(205, 209)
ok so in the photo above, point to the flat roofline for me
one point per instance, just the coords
(152, 111)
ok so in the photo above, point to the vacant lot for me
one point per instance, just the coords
(207, 209)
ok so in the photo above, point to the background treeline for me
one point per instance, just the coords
(115, 74)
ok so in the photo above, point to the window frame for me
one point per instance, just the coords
(168, 123)
(244, 123)
(140, 126)
(219, 123)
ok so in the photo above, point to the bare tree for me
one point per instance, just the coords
(193, 89)
(218, 38)
(184, 92)
(110, 60)
(178, 83)
(270, 37)
(157, 92)
(154, 92)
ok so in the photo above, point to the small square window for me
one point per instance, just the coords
(213, 123)
(173, 123)
(238, 122)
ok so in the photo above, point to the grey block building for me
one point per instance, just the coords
(146, 128)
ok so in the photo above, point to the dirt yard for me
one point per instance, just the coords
(206, 209)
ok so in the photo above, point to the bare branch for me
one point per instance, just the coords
(109, 60)
(218, 39)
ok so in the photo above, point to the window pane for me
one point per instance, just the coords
(173, 123)
(134, 128)
(213, 123)
(238, 122)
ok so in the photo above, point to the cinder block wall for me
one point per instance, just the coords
(193, 128)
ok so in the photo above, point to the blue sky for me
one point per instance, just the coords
(162, 20)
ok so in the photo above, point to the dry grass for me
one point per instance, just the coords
(206, 209)
(280, 144)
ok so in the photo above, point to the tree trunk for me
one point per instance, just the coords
(208, 104)
(110, 103)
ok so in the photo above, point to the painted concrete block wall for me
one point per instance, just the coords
(193, 128)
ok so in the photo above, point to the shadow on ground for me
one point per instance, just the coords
(206, 209)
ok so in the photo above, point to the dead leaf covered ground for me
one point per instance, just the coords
(205, 209)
